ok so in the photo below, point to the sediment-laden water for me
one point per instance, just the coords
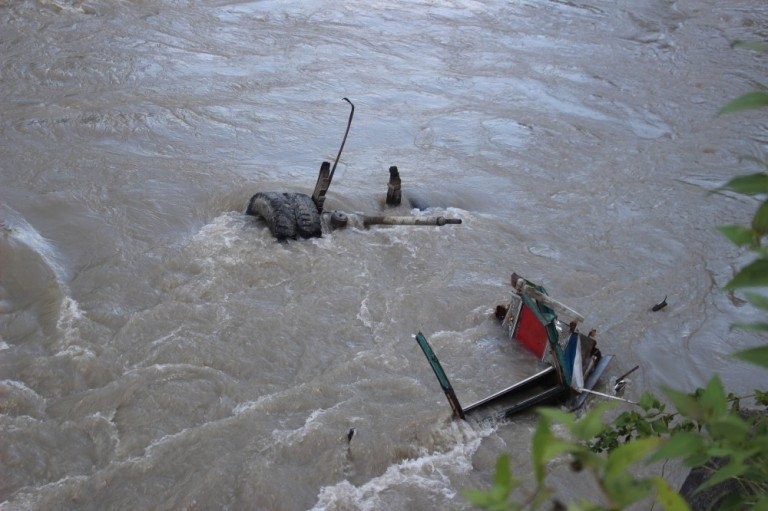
(159, 350)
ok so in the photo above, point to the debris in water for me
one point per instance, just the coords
(621, 381)
(660, 305)
(298, 215)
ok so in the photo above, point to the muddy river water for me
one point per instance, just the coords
(160, 350)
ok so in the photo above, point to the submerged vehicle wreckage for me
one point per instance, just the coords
(574, 364)
(294, 215)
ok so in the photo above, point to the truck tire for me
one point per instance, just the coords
(307, 217)
(277, 211)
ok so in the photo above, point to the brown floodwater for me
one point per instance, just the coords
(160, 350)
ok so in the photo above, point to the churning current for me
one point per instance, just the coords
(160, 350)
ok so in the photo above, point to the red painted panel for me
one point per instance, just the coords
(530, 332)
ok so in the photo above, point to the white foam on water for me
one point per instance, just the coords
(223, 227)
(69, 317)
(108, 419)
(253, 406)
(164, 338)
(74, 351)
(150, 449)
(215, 240)
(431, 473)
(310, 425)
(19, 230)
(18, 400)
(22, 500)
(60, 6)
(364, 315)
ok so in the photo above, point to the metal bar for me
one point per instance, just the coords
(602, 394)
(343, 141)
(458, 412)
(502, 393)
(543, 397)
(408, 220)
(627, 373)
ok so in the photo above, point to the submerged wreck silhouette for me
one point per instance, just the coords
(574, 364)
(292, 215)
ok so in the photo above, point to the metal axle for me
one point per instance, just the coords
(340, 220)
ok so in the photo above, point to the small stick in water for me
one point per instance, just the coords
(620, 378)
(621, 381)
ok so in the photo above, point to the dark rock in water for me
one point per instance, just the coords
(718, 495)
(713, 497)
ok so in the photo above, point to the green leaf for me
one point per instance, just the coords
(756, 299)
(730, 427)
(757, 356)
(541, 438)
(680, 444)
(752, 275)
(734, 468)
(546, 446)
(761, 504)
(631, 452)
(644, 428)
(478, 498)
(660, 426)
(556, 415)
(588, 459)
(719, 451)
(669, 499)
(649, 402)
(624, 490)
(541, 496)
(502, 480)
(749, 184)
(747, 101)
(752, 45)
(697, 459)
(497, 497)
(686, 404)
(738, 234)
(760, 220)
(750, 327)
(713, 398)
(591, 424)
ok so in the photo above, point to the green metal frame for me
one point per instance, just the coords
(458, 412)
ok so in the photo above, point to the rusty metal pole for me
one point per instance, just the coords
(344, 140)
(408, 220)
